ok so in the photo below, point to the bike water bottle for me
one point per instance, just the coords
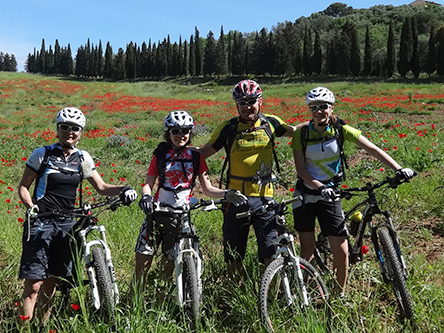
(355, 221)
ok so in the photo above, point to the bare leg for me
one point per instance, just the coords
(29, 299)
(308, 244)
(339, 248)
(46, 298)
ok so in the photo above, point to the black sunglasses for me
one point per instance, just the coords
(250, 102)
(69, 128)
(181, 131)
(322, 107)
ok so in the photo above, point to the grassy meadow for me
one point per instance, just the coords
(125, 124)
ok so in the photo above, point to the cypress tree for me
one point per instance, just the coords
(192, 63)
(210, 55)
(221, 56)
(391, 58)
(238, 57)
(317, 55)
(50, 61)
(185, 64)
(260, 56)
(415, 52)
(355, 52)
(41, 64)
(108, 67)
(99, 60)
(56, 57)
(405, 48)
(130, 62)
(431, 55)
(367, 54)
(198, 57)
(180, 58)
(307, 53)
(119, 65)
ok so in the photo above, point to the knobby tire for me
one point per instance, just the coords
(395, 274)
(104, 285)
(190, 286)
(276, 314)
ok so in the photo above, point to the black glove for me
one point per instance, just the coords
(146, 203)
(127, 195)
(327, 192)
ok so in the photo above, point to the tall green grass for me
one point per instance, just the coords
(30, 102)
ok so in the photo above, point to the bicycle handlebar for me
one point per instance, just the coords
(270, 205)
(392, 182)
(187, 207)
(112, 202)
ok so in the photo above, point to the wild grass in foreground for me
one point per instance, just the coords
(122, 130)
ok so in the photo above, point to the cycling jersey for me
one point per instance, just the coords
(251, 154)
(175, 177)
(322, 157)
(57, 187)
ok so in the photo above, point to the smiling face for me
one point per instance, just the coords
(248, 109)
(68, 134)
(179, 136)
(321, 112)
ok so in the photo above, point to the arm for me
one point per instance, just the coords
(207, 150)
(101, 187)
(208, 189)
(292, 129)
(149, 184)
(377, 152)
(23, 190)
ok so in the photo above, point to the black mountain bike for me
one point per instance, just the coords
(291, 292)
(89, 243)
(382, 234)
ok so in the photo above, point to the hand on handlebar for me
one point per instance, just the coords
(146, 203)
(127, 195)
(32, 212)
(407, 173)
(235, 197)
(327, 192)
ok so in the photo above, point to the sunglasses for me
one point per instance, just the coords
(69, 128)
(181, 131)
(250, 102)
(321, 107)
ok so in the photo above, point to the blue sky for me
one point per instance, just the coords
(24, 23)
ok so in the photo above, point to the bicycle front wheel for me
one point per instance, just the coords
(281, 300)
(394, 273)
(104, 285)
(192, 297)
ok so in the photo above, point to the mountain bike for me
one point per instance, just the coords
(382, 234)
(187, 257)
(291, 292)
(89, 243)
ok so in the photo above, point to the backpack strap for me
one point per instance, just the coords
(339, 136)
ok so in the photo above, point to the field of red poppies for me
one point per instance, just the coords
(125, 124)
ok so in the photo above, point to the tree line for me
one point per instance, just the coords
(381, 41)
(8, 63)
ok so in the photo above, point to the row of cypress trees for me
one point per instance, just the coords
(290, 49)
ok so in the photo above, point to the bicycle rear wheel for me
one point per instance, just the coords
(394, 273)
(104, 285)
(281, 304)
(190, 287)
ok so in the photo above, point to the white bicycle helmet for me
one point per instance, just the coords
(320, 94)
(179, 119)
(71, 115)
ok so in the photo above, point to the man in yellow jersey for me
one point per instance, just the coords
(250, 142)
